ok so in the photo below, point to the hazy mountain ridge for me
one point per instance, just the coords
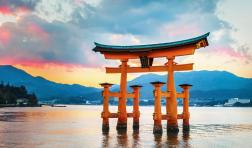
(43, 88)
(206, 85)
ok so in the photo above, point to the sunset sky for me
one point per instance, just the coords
(54, 38)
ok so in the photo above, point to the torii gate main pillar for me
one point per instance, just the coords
(171, 101)
(122, 112)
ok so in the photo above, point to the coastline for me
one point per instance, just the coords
(13, 105)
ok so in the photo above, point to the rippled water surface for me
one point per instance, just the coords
(80, 126)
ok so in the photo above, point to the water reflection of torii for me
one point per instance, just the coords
(146, 54)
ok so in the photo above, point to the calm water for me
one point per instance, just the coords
(80, 126)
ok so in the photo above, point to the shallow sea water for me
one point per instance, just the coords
(80, 126)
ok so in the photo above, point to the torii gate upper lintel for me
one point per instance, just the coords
(146, 54)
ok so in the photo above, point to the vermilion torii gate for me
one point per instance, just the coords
(146, 54)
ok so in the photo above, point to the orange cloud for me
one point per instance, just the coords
(23, 9)
(5, 10)
(240, 54)
(4, 36)
(36, 30)
(36, 63)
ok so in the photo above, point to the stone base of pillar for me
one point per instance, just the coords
(172, 129)
(105, 128)
(186, 128)
(157, 129)
(135, 125)
(121, 126)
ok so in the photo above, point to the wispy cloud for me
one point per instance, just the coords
(62, 32)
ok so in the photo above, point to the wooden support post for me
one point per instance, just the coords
(157, 115)
(105, 114)
(136, 112)
(171, 102)
(122, 112)
(186, 114)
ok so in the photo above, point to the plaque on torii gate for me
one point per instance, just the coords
(146, 55)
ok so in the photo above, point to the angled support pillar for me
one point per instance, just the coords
(105, 114)
(186, 114)
(136, 112)
(157, 115)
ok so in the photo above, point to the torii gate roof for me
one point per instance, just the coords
(151, 47)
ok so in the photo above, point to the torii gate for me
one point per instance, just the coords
(146, 54)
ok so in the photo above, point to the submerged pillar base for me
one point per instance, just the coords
(105, 128)
(172, 129)
(186, 128)
(121, 126)
(157, 129)
(135, 125)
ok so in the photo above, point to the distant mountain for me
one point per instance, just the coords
(206, 84)
(44, 89)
